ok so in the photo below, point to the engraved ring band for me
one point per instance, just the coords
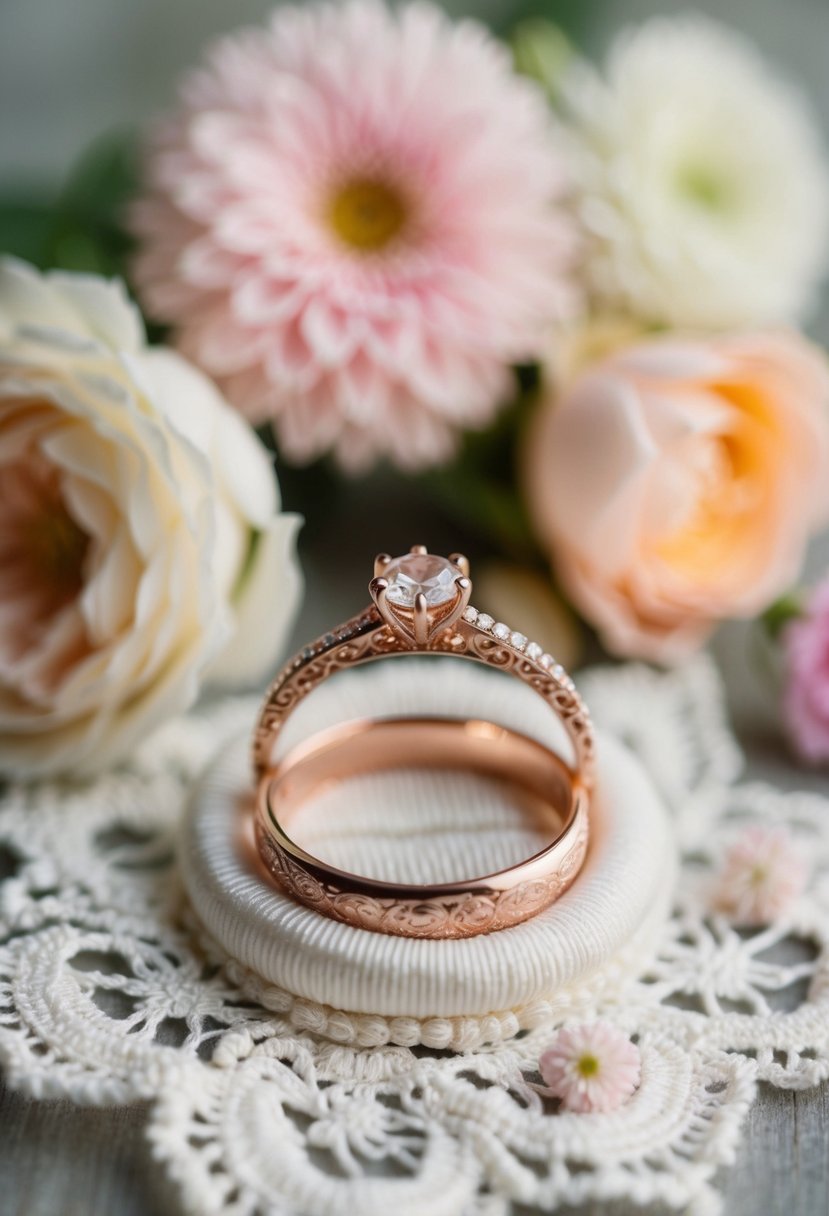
(421, 605)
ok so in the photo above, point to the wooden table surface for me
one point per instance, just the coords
(59, 1160)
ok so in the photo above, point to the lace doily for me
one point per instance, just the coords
(107, 997)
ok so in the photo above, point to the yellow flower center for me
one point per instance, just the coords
(587, 1066)
(706, 188)
(758, 876)
(367, 214)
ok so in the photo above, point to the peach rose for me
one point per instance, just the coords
(677, 482)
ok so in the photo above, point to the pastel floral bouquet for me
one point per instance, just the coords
(380, 236)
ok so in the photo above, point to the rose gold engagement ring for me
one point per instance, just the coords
(421, 606)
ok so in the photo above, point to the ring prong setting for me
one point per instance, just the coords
(421, 619)
(419, 596)
(378, 588)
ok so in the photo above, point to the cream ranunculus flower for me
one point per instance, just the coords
(142, 547)
(702, 179)
(677, 482)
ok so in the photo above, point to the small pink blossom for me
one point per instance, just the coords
(762, 876)
(353, 222)
(805, 643)
(591, 1067)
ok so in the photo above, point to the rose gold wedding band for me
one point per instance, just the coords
(441, 910)
(421, 606)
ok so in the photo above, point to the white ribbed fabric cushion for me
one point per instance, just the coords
(428, 827)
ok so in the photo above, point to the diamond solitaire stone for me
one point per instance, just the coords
(421, 574)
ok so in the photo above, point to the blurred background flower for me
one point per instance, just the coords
(353, 225)
(762, 876)
(677, 483)
(803, 635)
(141, 540)
(702, 180)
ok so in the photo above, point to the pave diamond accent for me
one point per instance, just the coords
(421, 574)
(519, 642)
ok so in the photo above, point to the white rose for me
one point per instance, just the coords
(702, 179)
(142, 547)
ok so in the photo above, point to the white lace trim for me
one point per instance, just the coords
(107, 996)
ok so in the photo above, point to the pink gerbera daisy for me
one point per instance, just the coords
(591, 1067)
(351, 222)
